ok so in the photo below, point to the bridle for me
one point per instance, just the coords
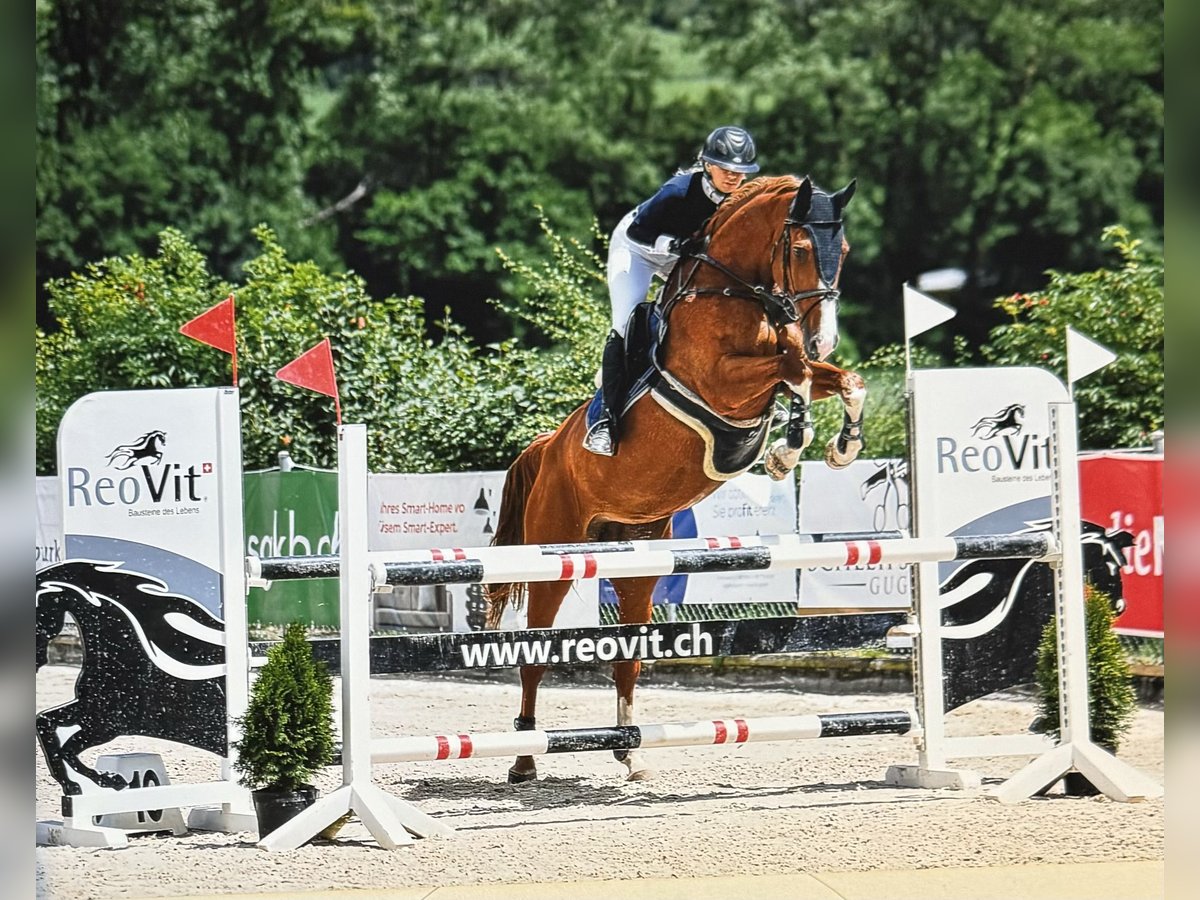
(783, 307)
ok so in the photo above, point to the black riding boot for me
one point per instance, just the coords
(602, 437)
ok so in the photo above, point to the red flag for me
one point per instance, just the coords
(313, 369)
(215, 327)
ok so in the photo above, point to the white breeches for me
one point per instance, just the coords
(631, 267)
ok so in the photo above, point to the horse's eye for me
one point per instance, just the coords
(801, 253)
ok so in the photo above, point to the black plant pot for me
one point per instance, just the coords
(1076, 785)
(273, 808)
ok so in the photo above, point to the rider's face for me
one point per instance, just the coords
(725, 181)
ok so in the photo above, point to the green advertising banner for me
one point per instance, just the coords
(292, 514)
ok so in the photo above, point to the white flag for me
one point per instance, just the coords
(1084, 356)
(922, 313)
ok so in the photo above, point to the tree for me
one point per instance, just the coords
(1112, 701)
(181, 113)
(460, 119)
(985, 135)
(287, 730)
(1123, 308)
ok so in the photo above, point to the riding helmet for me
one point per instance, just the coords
(730, 148)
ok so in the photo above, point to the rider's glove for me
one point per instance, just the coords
(666, 245)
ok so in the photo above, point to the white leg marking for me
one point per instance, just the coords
(834, 458)
(638, 769)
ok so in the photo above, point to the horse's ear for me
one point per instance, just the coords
(842, 198)
(800, 206)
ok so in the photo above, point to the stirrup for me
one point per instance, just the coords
(599, 439)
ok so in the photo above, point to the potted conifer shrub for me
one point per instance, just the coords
(1112, 701)
(287, 731)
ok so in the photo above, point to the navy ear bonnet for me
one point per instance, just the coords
(824, 226)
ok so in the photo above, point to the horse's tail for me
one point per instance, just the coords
(510, 528)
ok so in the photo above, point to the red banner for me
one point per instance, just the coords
(1123, 492)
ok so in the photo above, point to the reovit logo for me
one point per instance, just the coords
(999, 445)
(170, 483)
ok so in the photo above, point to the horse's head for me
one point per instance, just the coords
(784, 235)
(1103, 561)
(814, 248)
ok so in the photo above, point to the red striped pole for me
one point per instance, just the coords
(429, 748)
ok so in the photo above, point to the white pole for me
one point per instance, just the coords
(388, 818)
(931, 769)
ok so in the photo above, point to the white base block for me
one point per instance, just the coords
(389, 819)
(62, 834)
(1112, 777)
(140, 770)
(221, 818)
(932, 779)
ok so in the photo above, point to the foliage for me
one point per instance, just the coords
(405, 140)
(1112, 701)
(430, 406)
(1122, 307)
(989, 135)
(119, 320)
(180, 113)
(287, 731)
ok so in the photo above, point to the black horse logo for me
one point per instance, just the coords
(994, 610)
(148, 446)
(153, 665)
(1007, 421)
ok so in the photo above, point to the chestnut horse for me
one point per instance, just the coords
(749, 315)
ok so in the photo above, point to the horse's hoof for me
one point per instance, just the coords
(515, 777)
(836, 460)
(640, 775)
(780, 460)
(773, 469)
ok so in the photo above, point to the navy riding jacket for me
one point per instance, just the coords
(679, 209)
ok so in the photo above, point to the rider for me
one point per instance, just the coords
(647, 243)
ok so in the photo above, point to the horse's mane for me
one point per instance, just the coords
(747, 193)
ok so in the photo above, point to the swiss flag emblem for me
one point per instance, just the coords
(206, 468)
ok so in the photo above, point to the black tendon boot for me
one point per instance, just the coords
(602, 437)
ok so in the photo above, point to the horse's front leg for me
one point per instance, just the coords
(784, 454)
(830, 381)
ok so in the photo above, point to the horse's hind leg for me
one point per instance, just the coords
(830, 381)
(635, 598)
(543, 602)
(635, 607)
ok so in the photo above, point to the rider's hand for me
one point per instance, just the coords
(685, 246)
